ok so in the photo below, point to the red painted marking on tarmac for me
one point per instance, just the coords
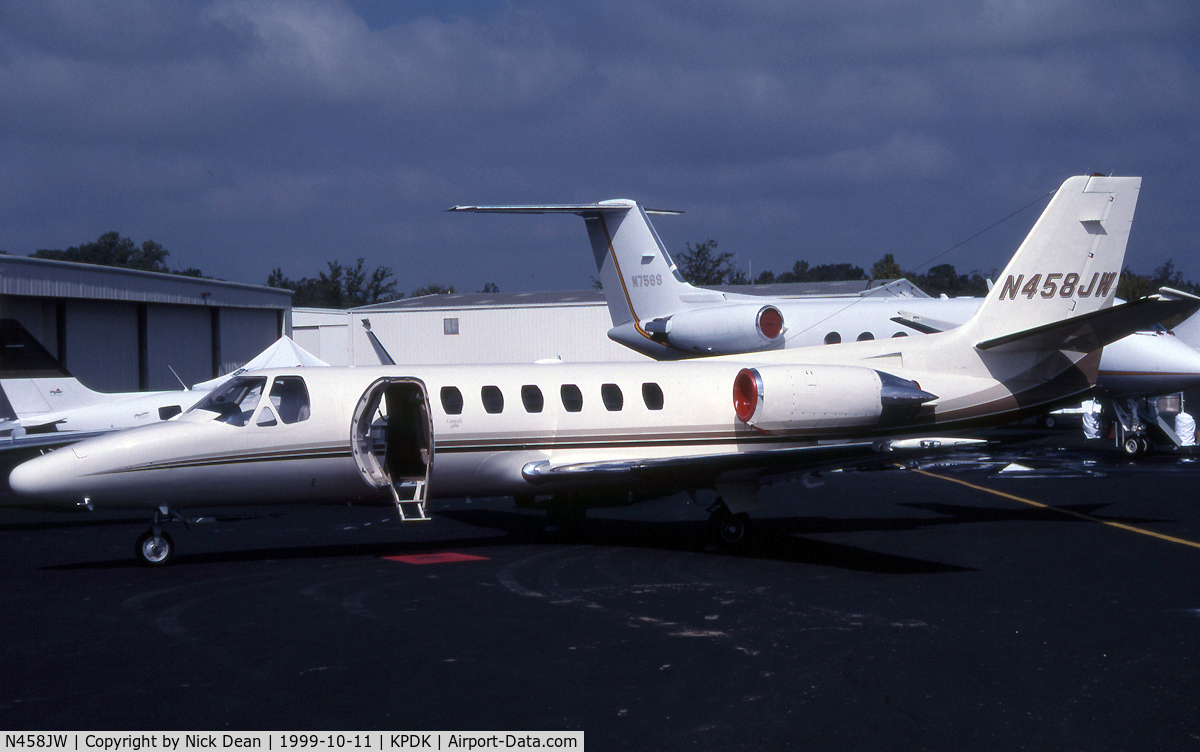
(442, 558)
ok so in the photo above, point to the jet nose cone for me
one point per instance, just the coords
(50, 477)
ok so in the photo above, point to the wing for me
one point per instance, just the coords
(48, 440)
(763, 466)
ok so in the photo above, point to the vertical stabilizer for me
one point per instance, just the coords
(33, 380)
(1068, 264)
(641, 281)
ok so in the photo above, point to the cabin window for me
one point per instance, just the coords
(450, 326)
(572, 398)
(168, 412)
(865, 336)
(611, 395)
(652, 395)
(452, 400)
(289, 397)
(899, 334)
(266, 417)
(531, 397)
(833, 338)
(234, 402)
(493, 400)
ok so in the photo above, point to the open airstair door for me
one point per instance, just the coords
(392, 440)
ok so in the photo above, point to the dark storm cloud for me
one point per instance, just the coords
(245, 135)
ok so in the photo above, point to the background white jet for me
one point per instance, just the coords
(41, 403)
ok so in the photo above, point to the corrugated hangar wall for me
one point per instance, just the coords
(178, 337)
(118, 330)
(101, 344)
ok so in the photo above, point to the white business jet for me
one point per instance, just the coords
(569, 431)
(657, 313)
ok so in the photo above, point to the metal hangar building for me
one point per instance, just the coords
(120, 330)
(522, 327)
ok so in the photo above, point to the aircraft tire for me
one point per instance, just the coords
(1132, 446)
(732, 530)
(154, 550)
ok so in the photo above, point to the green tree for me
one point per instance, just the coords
(801, 271)
(110, 249)
(942, 279)
(1132, 286)
(702, 265)
(339, 286)
(433, 289)
(887, 268)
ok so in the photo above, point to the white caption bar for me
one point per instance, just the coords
(287, 741)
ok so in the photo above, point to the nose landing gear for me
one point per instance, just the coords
(154, 547)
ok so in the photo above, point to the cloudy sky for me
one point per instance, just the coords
(245, 135)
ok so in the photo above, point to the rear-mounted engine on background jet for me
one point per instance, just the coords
(721, 330)
(782, 398)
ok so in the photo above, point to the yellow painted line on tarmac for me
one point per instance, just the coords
(1068, 512)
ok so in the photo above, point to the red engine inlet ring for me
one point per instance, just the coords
(745, 394)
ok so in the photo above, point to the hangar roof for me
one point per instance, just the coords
(460, 301)
(21, 275)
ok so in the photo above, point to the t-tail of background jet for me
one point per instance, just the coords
(653, 309)
(32, 381)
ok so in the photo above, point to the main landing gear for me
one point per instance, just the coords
(154, 547)
(732, 531)
(1136, 445)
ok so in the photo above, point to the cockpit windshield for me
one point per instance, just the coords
(234, 402)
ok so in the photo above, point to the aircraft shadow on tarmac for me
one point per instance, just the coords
(776, 539)
(786, 539)
(1059, 513)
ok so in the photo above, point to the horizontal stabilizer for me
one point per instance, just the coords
(51, 440)
(1092, 331)
(616, 205)
(922, 324)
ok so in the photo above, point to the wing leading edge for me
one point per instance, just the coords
(774, 464)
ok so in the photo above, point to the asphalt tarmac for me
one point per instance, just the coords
(940, 608)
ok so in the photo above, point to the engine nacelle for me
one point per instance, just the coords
(721, 330)
(779, 398)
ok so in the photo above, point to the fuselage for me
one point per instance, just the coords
(488, 426)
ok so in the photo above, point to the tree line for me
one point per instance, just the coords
(339, 286)
(350, 285)
(703, 265)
